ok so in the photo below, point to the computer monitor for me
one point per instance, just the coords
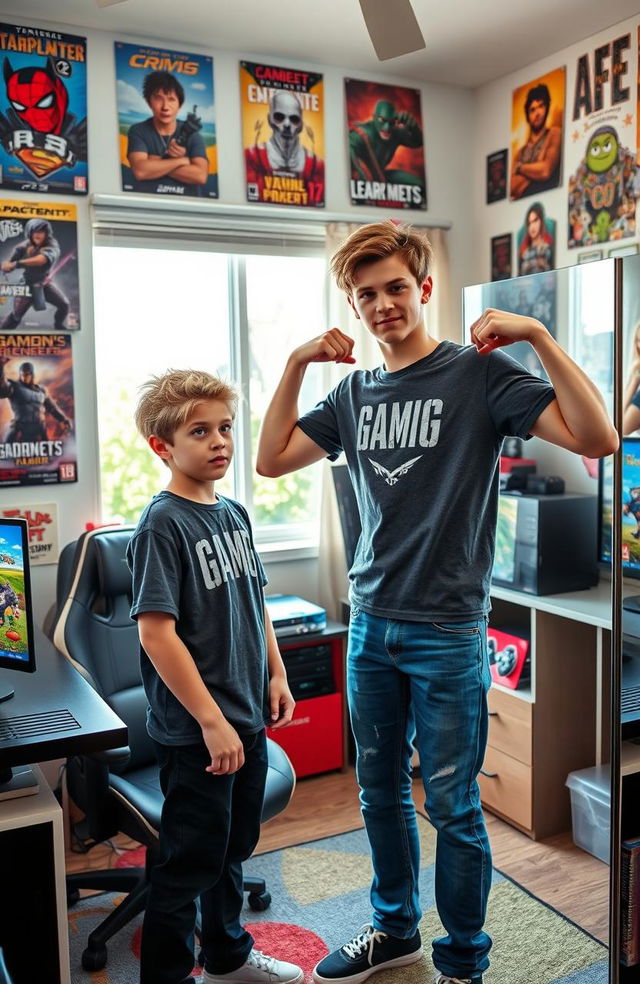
(17, 650)
(630, 507)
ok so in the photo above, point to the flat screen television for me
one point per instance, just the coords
(17, 651)
(630, 507)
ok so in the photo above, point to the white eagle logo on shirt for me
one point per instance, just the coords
(391, 477)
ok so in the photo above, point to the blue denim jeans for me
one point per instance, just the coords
(424, 683)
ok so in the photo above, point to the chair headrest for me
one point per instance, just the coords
(111, 555)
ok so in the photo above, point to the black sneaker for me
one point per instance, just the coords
(369, 951)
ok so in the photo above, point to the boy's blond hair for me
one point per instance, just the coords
(376, 241)
(168, 400)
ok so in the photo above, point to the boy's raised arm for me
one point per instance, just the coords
(282, 446)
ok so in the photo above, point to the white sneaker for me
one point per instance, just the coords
(258, 969)
(443, 979)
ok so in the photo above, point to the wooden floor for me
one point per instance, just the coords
(554, 870)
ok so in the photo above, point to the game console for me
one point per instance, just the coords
(291, 615)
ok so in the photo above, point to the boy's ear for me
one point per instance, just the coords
(425, 290)
(159, 447)
(353, 307)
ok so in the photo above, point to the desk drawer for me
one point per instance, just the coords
(510, 725)
(508, 788)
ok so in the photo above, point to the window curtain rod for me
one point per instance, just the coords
(110, 210)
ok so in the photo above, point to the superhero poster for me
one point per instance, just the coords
(537, 112)
(43, 111)
(166, 118)
(37, 433)
(386, 145)
(283, 135)
(38, 266)
(600, 150)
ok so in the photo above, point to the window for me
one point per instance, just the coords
(235, 314)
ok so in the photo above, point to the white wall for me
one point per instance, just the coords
(447, 118)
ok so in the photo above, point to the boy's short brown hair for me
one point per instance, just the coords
(168, 400)
(376, 241)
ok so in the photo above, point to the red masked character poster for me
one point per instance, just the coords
(283, 134)
(386, 147)
(43, 111)
(37, 441)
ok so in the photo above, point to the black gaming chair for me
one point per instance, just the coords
(119, 790)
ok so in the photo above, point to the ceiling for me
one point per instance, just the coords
(469, 42)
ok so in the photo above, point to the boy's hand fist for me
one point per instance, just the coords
(225, 747)
(331, 346)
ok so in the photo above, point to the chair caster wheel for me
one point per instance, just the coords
(259, 901)
(94, 959)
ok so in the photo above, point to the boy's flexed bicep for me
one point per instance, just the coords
(299, 451)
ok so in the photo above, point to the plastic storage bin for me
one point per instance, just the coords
(591, 809)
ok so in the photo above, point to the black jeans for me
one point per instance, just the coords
(209, 826)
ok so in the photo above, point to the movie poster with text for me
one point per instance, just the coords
(43, 111)
(386, 145)
(38, 266)
(283, 134)
(37, 416)
(537, 115)
(42, 523)
(166, 119)
(603, 177)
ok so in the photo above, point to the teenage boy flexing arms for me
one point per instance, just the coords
(213, 675)
(422, 436)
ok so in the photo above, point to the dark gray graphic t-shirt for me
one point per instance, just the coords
(198, 563)
(423, 447)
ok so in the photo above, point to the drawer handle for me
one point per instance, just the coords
(489, 775)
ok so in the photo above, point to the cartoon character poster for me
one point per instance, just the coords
(386, 145)
(38, 266)
(603, 174)
(37, 439)
(537, 113)
(283, 134)
(43, 111)
(536, 242)
(166, 116)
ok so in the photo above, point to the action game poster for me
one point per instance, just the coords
(537, 113)
(38, 266)
(43, 111)
(37, 438)
(600, 151)
(536, 241)
(497, 176)
(386, 145)
(166, 117)
(283, 134)
(534, 297)
(501, 257)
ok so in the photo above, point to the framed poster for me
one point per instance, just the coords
(37, 411)
(43, 111)
(38, 266)
(536, 243)
(501, 257)
(497, 176)
(604, 175)
(42, 522)
(283, 134)
(386, 145)
(537, 113)
(166, 117)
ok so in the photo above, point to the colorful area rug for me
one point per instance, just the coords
(320, 897)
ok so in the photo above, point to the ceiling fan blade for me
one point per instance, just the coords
(392, 27)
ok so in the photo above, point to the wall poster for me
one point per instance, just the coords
(536, 241)
(386, 145)
(38, 266)
(501, 257)
(43, 111)
(42, 522)
(283, 134)
(602, 134)
(537, 112)
(37, 439)
(166, 119)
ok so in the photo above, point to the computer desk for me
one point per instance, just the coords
(55, 713)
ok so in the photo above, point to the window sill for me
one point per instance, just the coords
(278, 551)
